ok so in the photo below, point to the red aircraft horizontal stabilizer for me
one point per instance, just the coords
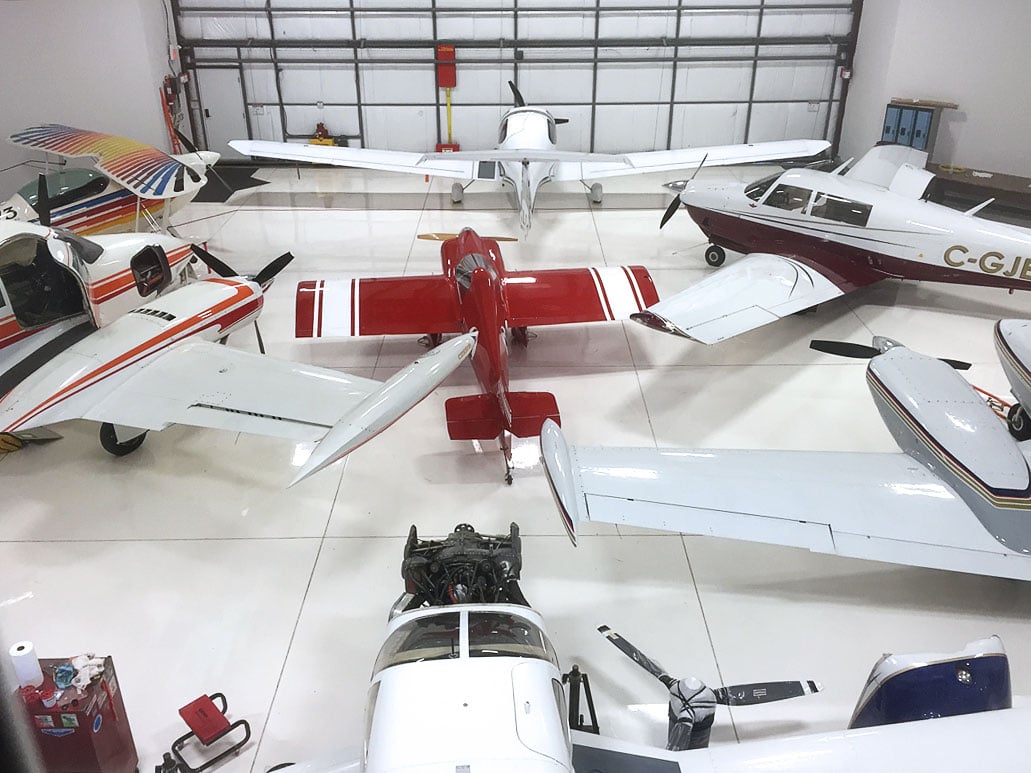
(530, 410)
(476, 417)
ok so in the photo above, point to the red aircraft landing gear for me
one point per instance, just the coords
(505, 443)
(715, 256)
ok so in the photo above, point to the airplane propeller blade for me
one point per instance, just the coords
(561, 121)
(670, 211)
(191, 148)
(732, 695)
(442, 236)
(261, 342)
(864, 352)
(845, 349)
(516, 96)
(764, 692)
(43, 201)
(213, 263)
(265, 276)
(636, 655)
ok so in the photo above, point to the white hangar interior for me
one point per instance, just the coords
(194, 565)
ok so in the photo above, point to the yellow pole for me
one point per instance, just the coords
(448, 115)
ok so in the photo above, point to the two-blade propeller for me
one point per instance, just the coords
(191, 148)
(263, 278)
(43, 201)
(518, 101)
(732, 695)
(675, 204)
(863, 352)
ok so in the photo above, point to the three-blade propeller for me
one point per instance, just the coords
(191, 148)
(732, 695)
(864, 352)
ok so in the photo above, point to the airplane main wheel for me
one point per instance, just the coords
(109, 441)
(596, 193)
(457, 193)
(715, 256)
(1018, 422)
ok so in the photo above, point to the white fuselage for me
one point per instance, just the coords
(527, 129)
(865, 228)
(75, 287)
(468, 685)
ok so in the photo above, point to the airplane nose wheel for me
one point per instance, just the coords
(715, 256)
(109, 441)
(1018, 422)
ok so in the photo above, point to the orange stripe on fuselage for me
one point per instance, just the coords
(152, 345)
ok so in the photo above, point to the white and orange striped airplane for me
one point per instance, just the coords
(111, 330)
(131, 184)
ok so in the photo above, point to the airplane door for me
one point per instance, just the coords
(222, 109)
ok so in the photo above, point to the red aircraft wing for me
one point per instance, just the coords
(564, 295)
(363, 307)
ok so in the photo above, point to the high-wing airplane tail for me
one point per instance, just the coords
(399, 394)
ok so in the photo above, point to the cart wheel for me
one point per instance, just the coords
(715, 256)
(1019, 425)
(109, 441)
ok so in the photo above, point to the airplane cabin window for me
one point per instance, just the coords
(789, 197)
(497, 634)
(843, 210)
(435, 637)
(756, 190)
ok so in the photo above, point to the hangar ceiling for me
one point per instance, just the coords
(629, 74)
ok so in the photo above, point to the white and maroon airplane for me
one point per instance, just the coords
(108, 330)
(131, 182)
(813, 236)
(527, 156)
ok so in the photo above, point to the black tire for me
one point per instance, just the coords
(1018, 423)
(109, 442)
(715, 256)
(596, 193)
(457, 193)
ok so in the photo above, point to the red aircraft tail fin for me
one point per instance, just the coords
(475, 417)
(478, 417)
(530, 410)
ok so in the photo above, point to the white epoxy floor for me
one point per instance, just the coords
(192, 564)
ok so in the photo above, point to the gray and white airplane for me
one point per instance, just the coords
(957, 496)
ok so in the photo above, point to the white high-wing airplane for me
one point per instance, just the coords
(472, 683)
(956, 497)
(813, 236)
(160, 364)
(527, 156)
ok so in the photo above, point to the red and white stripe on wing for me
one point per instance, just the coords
(564, 295)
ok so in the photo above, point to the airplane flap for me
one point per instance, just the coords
(877, 506)
(391, 306)
(594, 294)
(202, 384)
(744, 295)
(438, 165)
(670, 160)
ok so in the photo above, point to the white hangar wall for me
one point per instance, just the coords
(95, 64)
(973, 54)
(608, 66)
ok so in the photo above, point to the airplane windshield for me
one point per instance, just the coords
(497, 634)
(425, 638)
(756, 190)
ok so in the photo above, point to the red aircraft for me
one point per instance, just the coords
(475, 292)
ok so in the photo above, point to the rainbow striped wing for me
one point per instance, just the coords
(144, 170)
